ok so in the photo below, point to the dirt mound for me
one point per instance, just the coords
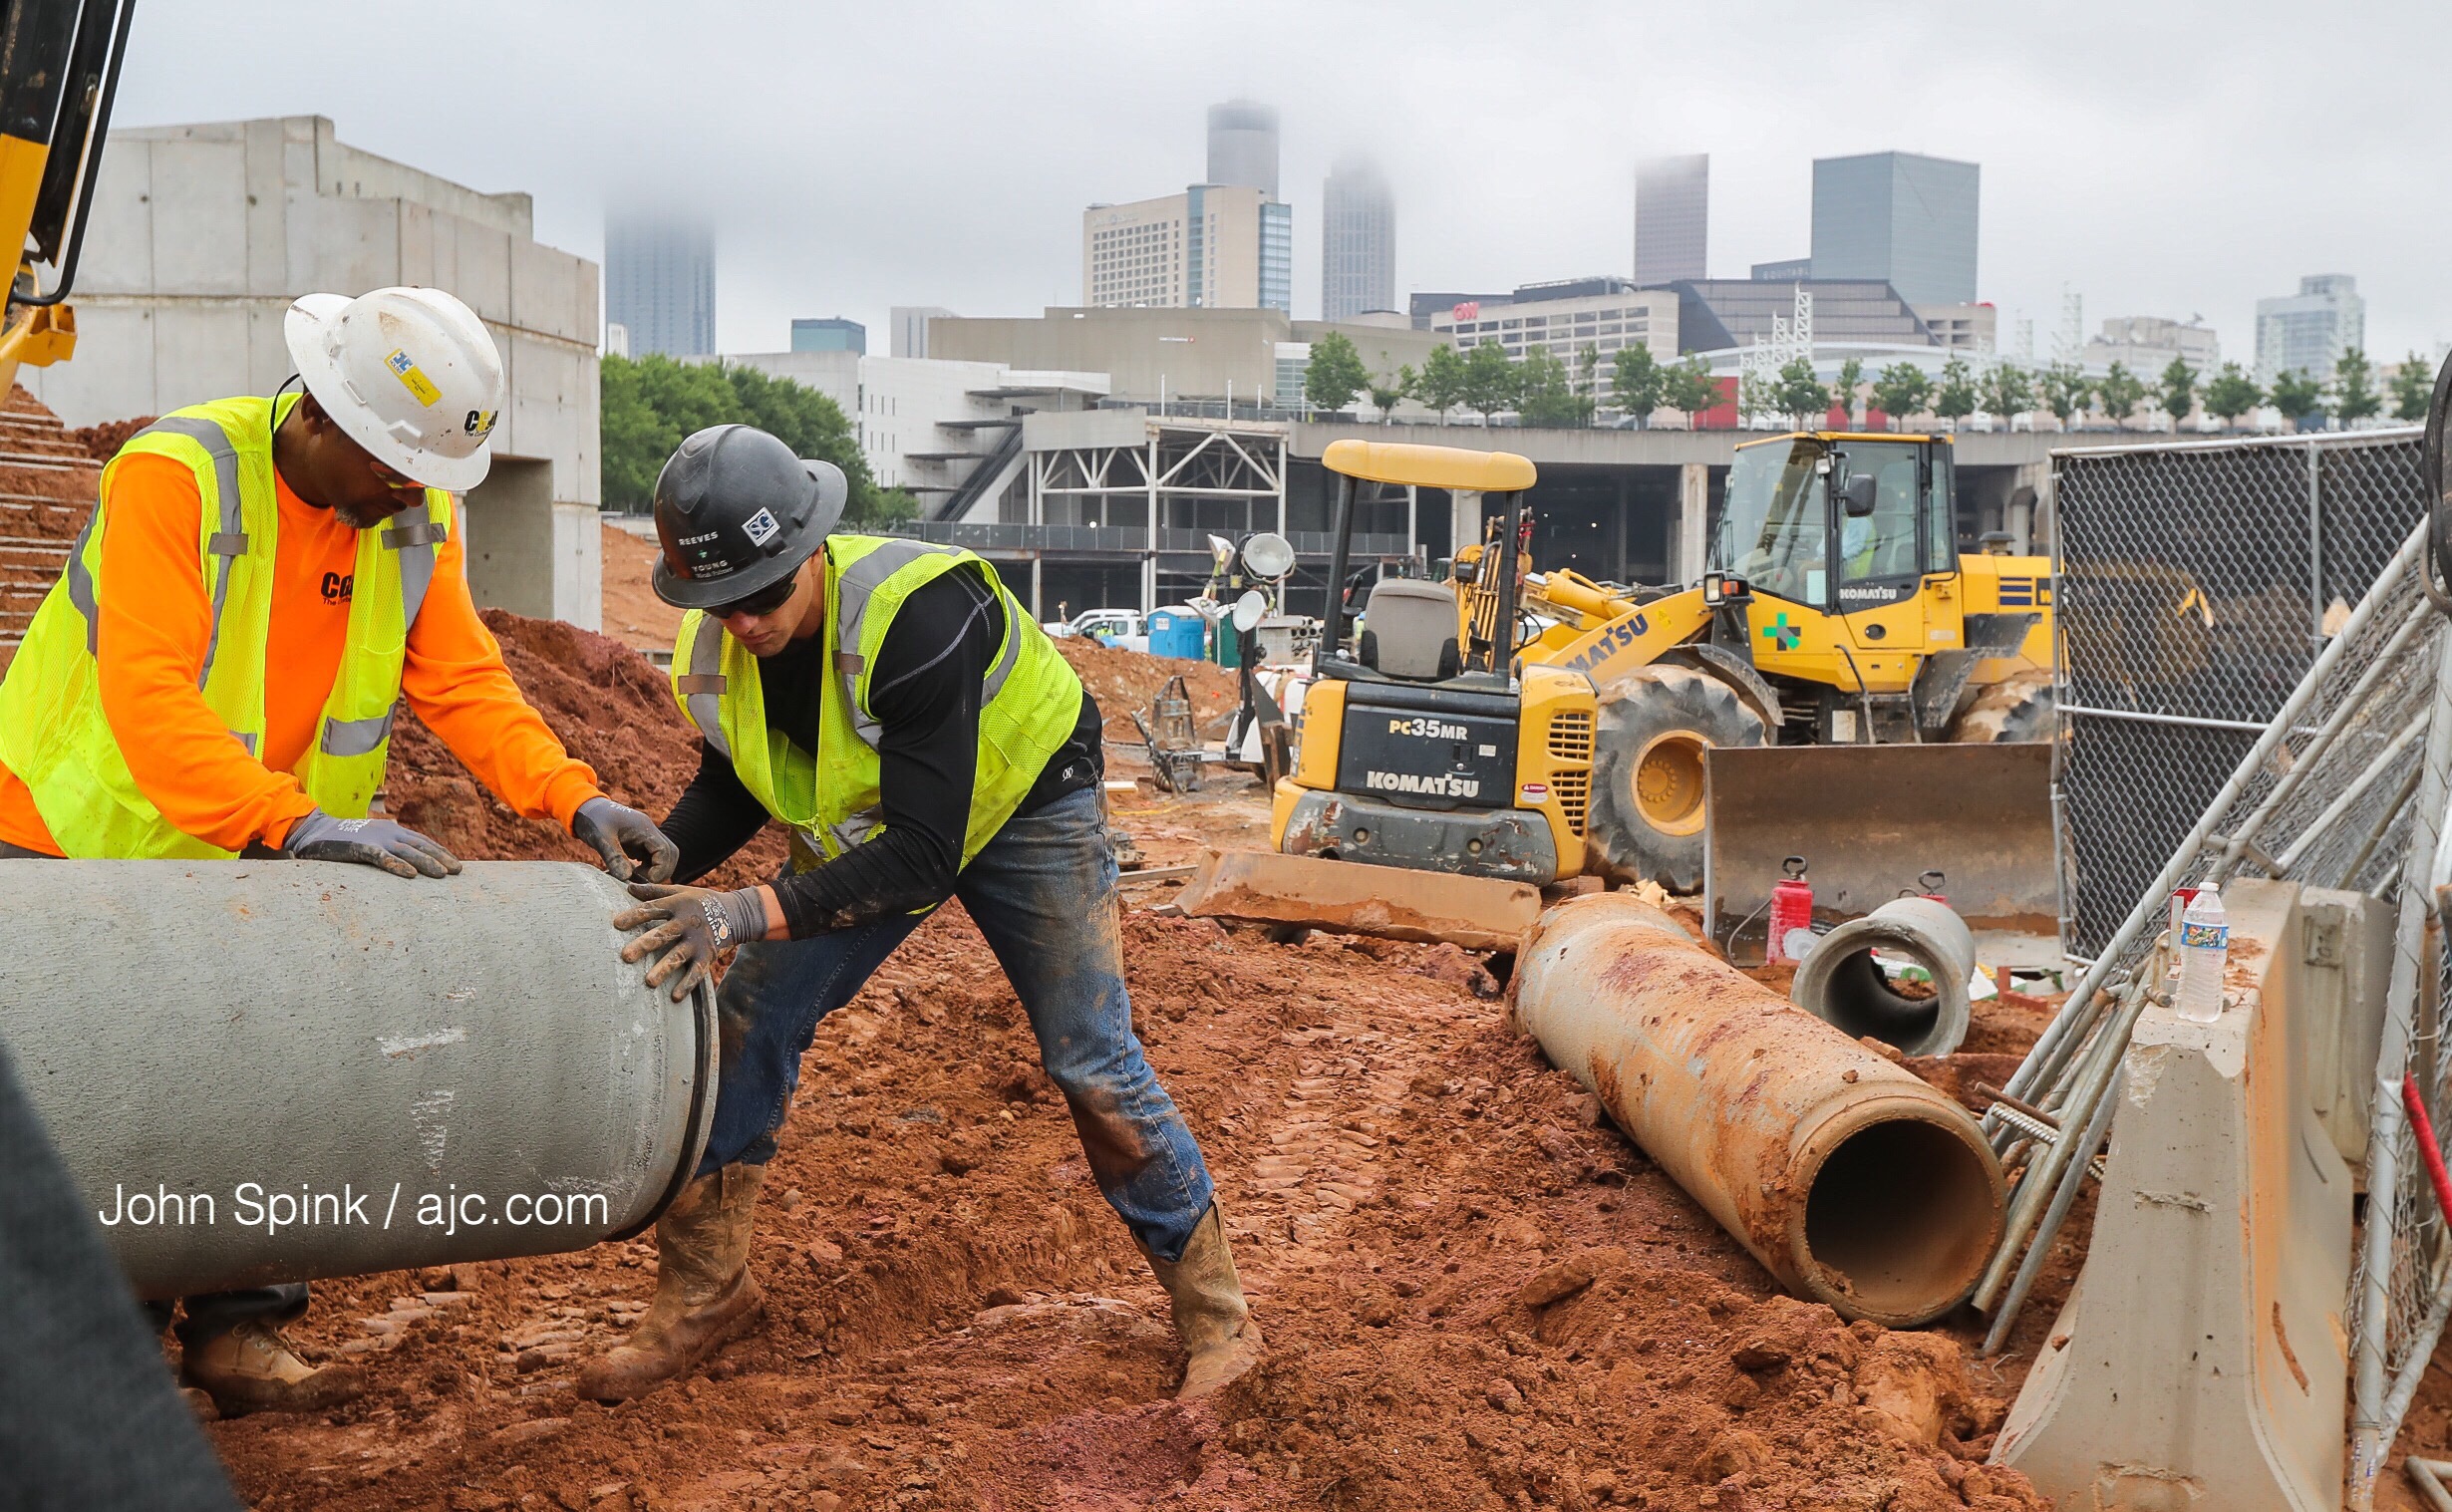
(633, 614)
(101, 442)
(48, 485)
(611, 709)
(1123, 681)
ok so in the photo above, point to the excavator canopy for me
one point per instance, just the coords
(1381, 462)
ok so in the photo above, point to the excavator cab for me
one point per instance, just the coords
(1424, 744)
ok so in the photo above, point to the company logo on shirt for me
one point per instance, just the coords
(338, 586)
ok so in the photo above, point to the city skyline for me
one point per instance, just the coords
(2152, 202)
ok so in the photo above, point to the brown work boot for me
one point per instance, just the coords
(704, 1295)
(1211, 1316)
(250, 1369)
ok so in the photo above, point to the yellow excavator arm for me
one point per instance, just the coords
(59, 68)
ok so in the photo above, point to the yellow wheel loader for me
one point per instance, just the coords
(1834, 610)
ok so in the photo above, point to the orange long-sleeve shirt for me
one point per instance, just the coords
(157, 615)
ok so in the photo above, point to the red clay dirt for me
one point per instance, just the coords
(48, 483)
(1476, 1295)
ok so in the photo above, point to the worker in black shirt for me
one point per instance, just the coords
(895, 708)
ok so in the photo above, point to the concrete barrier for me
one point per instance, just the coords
(2201, 1360)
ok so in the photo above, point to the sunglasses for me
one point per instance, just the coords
(764, 601)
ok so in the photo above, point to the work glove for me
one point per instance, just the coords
(623, 836)
(691, 925)
(396, 848)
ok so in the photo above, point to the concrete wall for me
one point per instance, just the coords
(201, 235)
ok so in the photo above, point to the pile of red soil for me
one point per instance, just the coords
(1125, 680)
(610, 707)
(101, 442)
(632, 614)
(48, 485)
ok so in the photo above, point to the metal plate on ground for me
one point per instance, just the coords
(1869, 819)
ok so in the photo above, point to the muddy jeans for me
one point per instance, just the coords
(216, 1313)
(1042, 892)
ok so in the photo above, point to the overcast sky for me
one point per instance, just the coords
(2156, 157)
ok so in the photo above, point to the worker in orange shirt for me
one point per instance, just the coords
(215, 671)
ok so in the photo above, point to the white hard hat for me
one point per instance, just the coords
(410, 374)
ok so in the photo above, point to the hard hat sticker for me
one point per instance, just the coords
(761, 528)
(411, 379)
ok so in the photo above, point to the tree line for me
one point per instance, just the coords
(649, 403)
(1542, 391)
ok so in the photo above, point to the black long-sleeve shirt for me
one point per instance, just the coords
(925, 692)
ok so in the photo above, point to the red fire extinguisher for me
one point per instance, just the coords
(1792, 909)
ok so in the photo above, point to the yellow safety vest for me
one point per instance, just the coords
(53, 733)
(1031, 702)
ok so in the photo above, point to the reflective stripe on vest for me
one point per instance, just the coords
(853, 590)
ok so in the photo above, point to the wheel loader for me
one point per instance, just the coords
(1834, 609)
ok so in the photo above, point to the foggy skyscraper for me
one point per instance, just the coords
(1359, 241)
(659, 282)
(1672, 202)
(1243, 145)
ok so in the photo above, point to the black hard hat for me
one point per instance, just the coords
(736, 511)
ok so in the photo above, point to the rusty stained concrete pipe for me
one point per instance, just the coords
(408, 1071)
(1839, 983)
(1855, 1184)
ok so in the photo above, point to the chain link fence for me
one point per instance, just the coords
(2254, 683)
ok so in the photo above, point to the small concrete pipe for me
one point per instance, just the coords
(1852, 1181)
(1840, 984)
(275, 1070)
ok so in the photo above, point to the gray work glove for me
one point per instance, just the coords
(396, 848)
(695, 922)
(623, 836)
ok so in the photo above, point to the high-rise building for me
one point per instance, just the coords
(1900, 219)
(659, 281)
(1243, 145)
(833, 334)
(1672, 203)
(2305, 332)
(1213, 246)
(1357, 217)
(911, 328)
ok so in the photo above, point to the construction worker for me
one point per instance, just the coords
(214, 672)
(898, 710)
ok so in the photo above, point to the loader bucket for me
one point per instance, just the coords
(1871, 820)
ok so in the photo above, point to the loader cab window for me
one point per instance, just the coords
(1941, 544)
(1774, 528)
(1881, 546)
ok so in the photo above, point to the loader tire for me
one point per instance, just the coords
(2020, 709)
(1645, 820)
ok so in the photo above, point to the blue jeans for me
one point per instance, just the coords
(1042, 892)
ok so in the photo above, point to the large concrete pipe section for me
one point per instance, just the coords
(1840, 983)
(275, 1070)
(1852, 1181)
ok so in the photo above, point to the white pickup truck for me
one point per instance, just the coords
(1108, 627)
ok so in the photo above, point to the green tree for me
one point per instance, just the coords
(2232, 394)
(2178, 391)
(648, 405)
(2066, 391)
(1901, 391)
(1441, 382)
(1800, 395)
(1637, 383)
(1691, 389)
(2413, 387)
(1547, 396)
(1843, 390)
(2353, 387)
(1955, 397)
(2009, 389)
(1491, 382)
(1334, 374)
(1387, 391)
(2119, 391)
(2299, 398)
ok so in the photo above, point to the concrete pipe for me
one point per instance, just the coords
(275, 1070)
(1840, 984)
(1852, 1181)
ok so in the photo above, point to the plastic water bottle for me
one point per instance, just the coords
(2205, 945)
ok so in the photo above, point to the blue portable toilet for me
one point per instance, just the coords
(1177, 633)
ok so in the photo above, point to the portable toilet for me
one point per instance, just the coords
(1177, 633)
